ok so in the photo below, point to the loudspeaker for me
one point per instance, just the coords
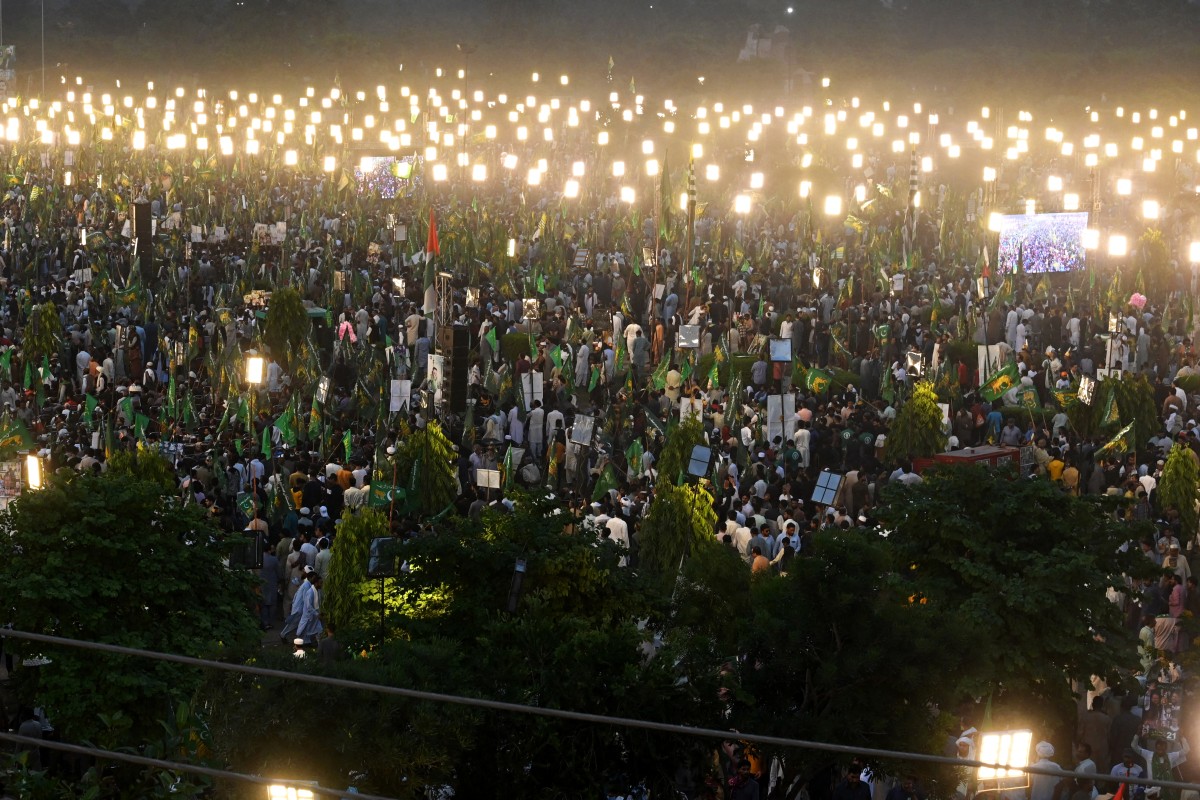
(459, 354)
(143, 232)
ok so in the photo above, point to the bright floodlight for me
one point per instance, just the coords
(627, 195)
(1009, 749)
(1194, 252)
(741, 204)
(1124, 187)
(1070, 202)
(1118, 245)
(33, 471)
(278, 792)
(1091, 239)
(254, 370)
(995, 222)
(833, 205)
(571, 190)
(1150, 209)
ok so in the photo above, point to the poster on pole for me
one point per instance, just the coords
(11, 482)
(781, 416)
(1162, 717)
(532, 388)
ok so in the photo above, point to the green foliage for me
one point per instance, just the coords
(515, 345)
(680, 520)
(673, 460)
(817, 641)
(142, 464)
(1179, 487)
(1134, 397)
(343, 596)
(111, 559)
(1153, 258)
(918, 431)
(43, 334)
(1015, 559)
(425, 465)
(287, 325)
(573, 642)
(711, 603)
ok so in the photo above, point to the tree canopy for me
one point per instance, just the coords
(112, 559)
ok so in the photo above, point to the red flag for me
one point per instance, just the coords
(431, 247)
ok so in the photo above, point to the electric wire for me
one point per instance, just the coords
(176, 766)
(579, 716)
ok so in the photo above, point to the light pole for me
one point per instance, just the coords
(43, 48)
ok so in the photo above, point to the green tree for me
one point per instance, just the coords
(1179, 488)
(1025, 566)
(344, 585)
(680, 519)
(673, 460)
(425, 464)
(917, 431)
(112, 559)
(287, 324)
(43, 334)
(142, 464)
(816, 643)
(567, 637)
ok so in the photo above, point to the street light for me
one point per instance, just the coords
(33, 471)
(278, 791)
(1010, 751)
(254, 370)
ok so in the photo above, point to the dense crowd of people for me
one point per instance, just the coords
(794, 358)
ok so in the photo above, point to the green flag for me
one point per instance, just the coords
(509, 472)
(28, 375)
(532, 348)
(1001, 381)
(314, 419)
(243, 412)
(659, 377)
(6, 363)
(287, 427)
(140, 422)
(887, 389)
(126, 408)
(714, 376)
(266, 440)
(633, 455)
(171, 396)
(1118, 445)
(89, 407)
(595, 379)
(14, 436)
(1028, 398)
(490, 336)
(1065, 398)
(1112, 411)
(348, 442)
(606, 481)
(817, 380)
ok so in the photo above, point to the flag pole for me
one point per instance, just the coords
(691, 230)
